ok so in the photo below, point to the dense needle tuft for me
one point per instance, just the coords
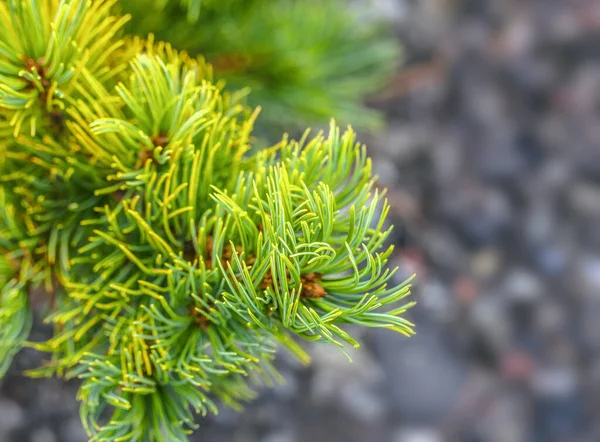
(171, 258)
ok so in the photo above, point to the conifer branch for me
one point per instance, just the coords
(305, 60)
(175, 258)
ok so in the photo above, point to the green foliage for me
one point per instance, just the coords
(171, 259)
(15, 315)
(305, 60)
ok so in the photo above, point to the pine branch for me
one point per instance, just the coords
(176, 259)
(305, 61)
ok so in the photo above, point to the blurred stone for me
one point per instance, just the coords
(481, 215)
(72, 431)
(269, 414)
(518, 365)
(445, 250)
(362, 403)
(517, 38)
(417, 435)
(489, 314)
(386, 171)
(435, 297)
(540, 222)
(283, 436)
(226, 417)
(485, 263)
(555, 175)
(465, 290)
(334, 373)
(44, 434)
(505, 420)
(550, 319)
(405, 205)
(288, 389)
(583, 89)
(448, 157)
(500, 159)
(588, 274)
(551, 260)
(585, 199)
(410, 262)
(11, 416)
(558, 409)
(522, 285)
(396, 10)
(422, 376)
(404, 142)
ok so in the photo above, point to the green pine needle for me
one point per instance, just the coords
(171, 257)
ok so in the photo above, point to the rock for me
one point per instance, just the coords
(466, 290)
(403, 143)
(334, 373)
(72, 431)
(551, 319)
(435, 298)
(588, 275)
(423, 377)
(288, 389)
(540, 223)
(486, 263)
(386, 171)
(11, 416)
(551, 260)
(396, 10)
(282, 436)
(44, 434)
(585, 199)
(362, 403)
(445, 249)
(522, 285)
(417, 435)
(481, 216)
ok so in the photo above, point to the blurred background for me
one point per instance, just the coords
(492, 159)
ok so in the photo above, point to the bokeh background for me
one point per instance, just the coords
(492, 160)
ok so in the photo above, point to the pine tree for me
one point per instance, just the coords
(304, 60)
(170, 258)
